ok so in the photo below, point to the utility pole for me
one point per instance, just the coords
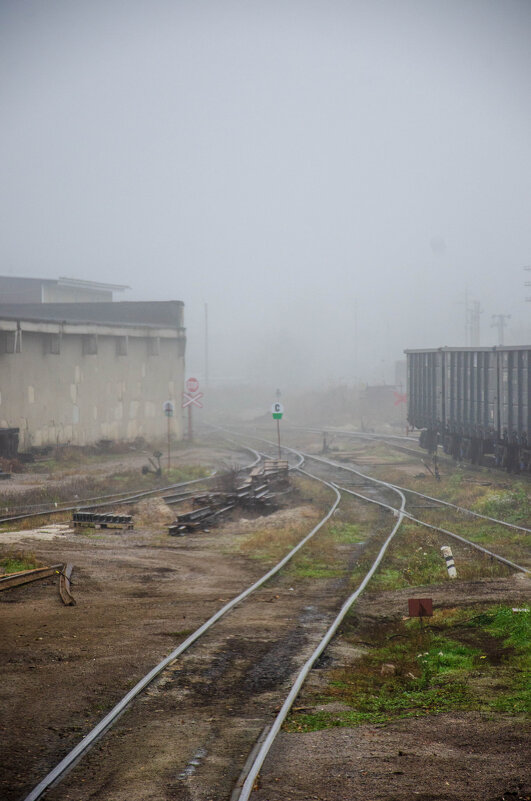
(475, 312)
(528, 283)
(498, 321)
(355, 316)
(206, 345)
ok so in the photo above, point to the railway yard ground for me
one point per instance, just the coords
(394, 709)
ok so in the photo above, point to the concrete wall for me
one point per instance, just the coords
(77, 397)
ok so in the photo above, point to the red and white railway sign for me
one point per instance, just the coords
(192, 385)
(192, 400)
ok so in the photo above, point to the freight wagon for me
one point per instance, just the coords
(474, 402)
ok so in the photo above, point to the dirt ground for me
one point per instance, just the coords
(464, 756)
(459, 757)
(139, 593)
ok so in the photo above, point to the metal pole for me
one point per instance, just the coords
(169, 462)
(206, 345)
(278, 432)
(189, 422)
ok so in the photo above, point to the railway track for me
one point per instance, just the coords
(171, 666)
(399, 443)
(371, 480)
(393, 440)
(114, 499)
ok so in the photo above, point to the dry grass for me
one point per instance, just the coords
(274, 536)
(414, 559)
(153, 511)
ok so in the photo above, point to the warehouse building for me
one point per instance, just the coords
(80, 372)
(55, 290)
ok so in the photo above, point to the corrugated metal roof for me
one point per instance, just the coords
(157, 314)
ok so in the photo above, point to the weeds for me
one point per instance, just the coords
(347, 533)
(414, 559)
(15, 562)
(271, 543)
(325, 556)
(513, 505)
(78, 489)
(481, 662)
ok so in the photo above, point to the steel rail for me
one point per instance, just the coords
(404, 489)
(480, 548)
(463, 509)
(69, 761)
(359, 434)
(419, 494)
(132, 498)
(393, 509)
(27, 576)
(437, 528)
(467, 511)
(264, 749)
(128, 499)
(42, 508)
(248, 785)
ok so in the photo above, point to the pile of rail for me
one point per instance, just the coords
(256, 489)
(95, 520)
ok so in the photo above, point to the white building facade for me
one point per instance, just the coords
(81, 372)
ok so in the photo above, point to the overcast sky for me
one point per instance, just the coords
(330, 177)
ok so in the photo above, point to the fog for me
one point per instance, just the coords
(334, 179)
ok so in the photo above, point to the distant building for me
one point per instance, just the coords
(383, 404)
(55, 290)
(80, 372)
(401, 374)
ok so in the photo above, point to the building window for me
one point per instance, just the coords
(11, 341)
(153, 345)
(52, 344)
(122, 346)
(90, 344)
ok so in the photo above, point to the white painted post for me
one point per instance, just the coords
(450, 564)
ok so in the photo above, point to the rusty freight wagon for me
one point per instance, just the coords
(474, 402)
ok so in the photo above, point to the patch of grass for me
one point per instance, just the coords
(514, 628)
(513, 506)
(271, 543)
(15, 562)
(313, 491)
(324, 556)
(411, 564)
(385, 707)
(461, 660)
(36, 522)
(454, 486)
(327, 555)
(79, 489)
(414, 559)
(347, 533)
(307, 566)
(176, 475)
(508, 542)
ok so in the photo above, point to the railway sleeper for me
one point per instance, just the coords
(95, 520)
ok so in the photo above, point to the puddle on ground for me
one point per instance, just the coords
(194, 763)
